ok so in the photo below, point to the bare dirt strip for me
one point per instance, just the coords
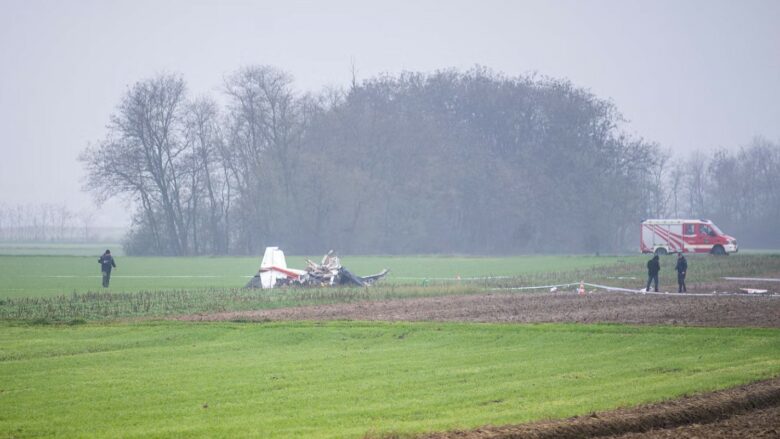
(732, 310)
(751, 411)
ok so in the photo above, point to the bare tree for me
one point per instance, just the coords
(37, 222)
(657, 193)
(676, 176)
(143, 156)
(211, 177)
(696, 184)
(265, 124)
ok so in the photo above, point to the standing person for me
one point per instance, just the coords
(682, 268)
(106, 263)
(653, 267)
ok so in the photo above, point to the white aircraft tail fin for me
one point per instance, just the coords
(273, 258)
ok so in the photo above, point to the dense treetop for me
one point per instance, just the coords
(448, 162)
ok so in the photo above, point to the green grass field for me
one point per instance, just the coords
(25, 276)
(42, 276)
(64, 288)
(93, 376)
(165, 379)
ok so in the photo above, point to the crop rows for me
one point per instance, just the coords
(101, 306)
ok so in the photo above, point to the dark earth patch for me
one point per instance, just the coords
(628, 308)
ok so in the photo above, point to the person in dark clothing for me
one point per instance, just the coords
(653, 267)
(682, 268)
(106, 263)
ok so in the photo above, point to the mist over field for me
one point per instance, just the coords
(479, 176)
(391, 128)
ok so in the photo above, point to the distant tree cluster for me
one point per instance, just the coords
(44, 222)
(449, 162)
(739, 190)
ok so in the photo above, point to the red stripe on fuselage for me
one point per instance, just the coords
(292, 274)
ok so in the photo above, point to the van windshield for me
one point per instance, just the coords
(715, 228)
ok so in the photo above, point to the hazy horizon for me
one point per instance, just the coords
(688, 75)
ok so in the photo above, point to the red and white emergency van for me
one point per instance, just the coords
(662, 236)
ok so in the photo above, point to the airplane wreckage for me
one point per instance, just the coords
(273, 273)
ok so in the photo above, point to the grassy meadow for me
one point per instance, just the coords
(55, 275)
(72, 365)
(346, 379)
(64, 288)
(39, 276)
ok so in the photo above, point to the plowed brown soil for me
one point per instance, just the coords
(745, 310)
(751, 411)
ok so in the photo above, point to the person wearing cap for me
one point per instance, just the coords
(106, 263)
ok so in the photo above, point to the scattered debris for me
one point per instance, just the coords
(597, 287)
(753, 290)
(273, 272)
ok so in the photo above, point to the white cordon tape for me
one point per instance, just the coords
(453, 278)
(757, 279)
(629, 290)
(538, 287)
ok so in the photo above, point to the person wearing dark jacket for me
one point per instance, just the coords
(106, 263)
(682, 268)
(653, 267)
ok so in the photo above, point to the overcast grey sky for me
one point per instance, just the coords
(686, 74)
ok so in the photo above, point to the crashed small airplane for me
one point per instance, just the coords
(273, 272)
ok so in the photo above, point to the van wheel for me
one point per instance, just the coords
(718, 250)
(660, 251)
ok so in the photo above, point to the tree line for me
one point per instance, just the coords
(448, 162)
(738, 189)
(44, 222)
